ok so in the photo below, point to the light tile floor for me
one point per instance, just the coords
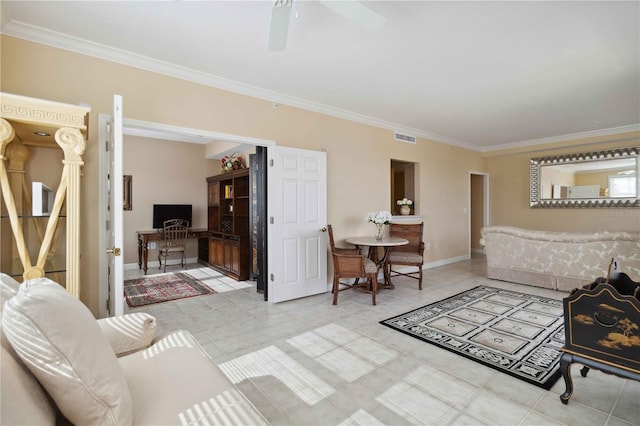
(307, 362)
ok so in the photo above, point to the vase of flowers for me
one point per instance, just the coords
(379, 219)
(405, 206)
(232, 162)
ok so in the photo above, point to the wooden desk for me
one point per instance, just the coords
(144, 237)
(386, 243)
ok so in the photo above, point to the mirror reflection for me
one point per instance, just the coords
(587, 179)
(613, 178)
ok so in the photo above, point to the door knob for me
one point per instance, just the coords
(114, 251)
(324, 229)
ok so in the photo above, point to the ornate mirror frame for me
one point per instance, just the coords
(536, 165)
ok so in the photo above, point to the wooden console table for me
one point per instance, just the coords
(144, 237)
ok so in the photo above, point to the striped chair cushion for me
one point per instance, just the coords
(404, 257)
(370, 267)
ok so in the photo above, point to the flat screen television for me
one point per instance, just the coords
(162, 212)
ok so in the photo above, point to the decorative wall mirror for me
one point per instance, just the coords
(590, 179)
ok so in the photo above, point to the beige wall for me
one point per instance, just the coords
(164, 172)
(594, 178)
(509, 190)
(552, 177)
(358, 155)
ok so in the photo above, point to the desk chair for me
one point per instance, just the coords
(174, 238)
(407, 255)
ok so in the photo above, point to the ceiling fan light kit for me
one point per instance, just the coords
(280, 16)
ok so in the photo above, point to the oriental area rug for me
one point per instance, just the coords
(516, 333)
(163, 288)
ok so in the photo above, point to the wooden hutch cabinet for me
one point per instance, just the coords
(228, 223)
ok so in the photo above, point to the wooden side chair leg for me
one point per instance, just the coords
(420, 280)
(336, 290)
(374, 289)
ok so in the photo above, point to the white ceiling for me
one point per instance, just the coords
(477, 74)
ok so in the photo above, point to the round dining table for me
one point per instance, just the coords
(373, 243)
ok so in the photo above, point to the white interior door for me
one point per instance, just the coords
(113, 225)
(297, 210)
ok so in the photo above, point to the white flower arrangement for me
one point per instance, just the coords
(404, 202)
(379, 218)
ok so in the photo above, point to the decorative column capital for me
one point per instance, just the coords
(6, 135)
(72, 143)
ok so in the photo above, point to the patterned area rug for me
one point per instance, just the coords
(516, 333)
(163, 288)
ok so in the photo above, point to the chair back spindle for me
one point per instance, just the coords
(175, 233)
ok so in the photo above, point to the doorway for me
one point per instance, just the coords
(153, 131)
(403, 178)
(478, 210)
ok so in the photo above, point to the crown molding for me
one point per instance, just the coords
(153, 130)
(64, 41)
(563, 138)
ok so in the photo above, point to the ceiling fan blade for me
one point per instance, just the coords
(357, 13)
(280, 15)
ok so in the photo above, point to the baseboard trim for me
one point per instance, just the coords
(443, 262)
(428, 265)
(154, 264)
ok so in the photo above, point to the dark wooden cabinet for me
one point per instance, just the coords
(215, 250)
(601, 321)
(228, 223)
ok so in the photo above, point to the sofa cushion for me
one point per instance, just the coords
(59, 340)
(8, 288)
(23, 402)
(129, 333)
(559, 260)
(175, 382)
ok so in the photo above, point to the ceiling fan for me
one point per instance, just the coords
(351, 10)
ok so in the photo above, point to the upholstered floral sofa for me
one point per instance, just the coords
(59, 366)
(557, 260)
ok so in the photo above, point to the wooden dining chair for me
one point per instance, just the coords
(411, 254)
(174, 237)
(334, 249)
(340, 250)
(354, 266)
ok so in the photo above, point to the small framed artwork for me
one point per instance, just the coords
(127, 189)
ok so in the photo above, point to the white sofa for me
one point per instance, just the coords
(557, 260)
(59, 366)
